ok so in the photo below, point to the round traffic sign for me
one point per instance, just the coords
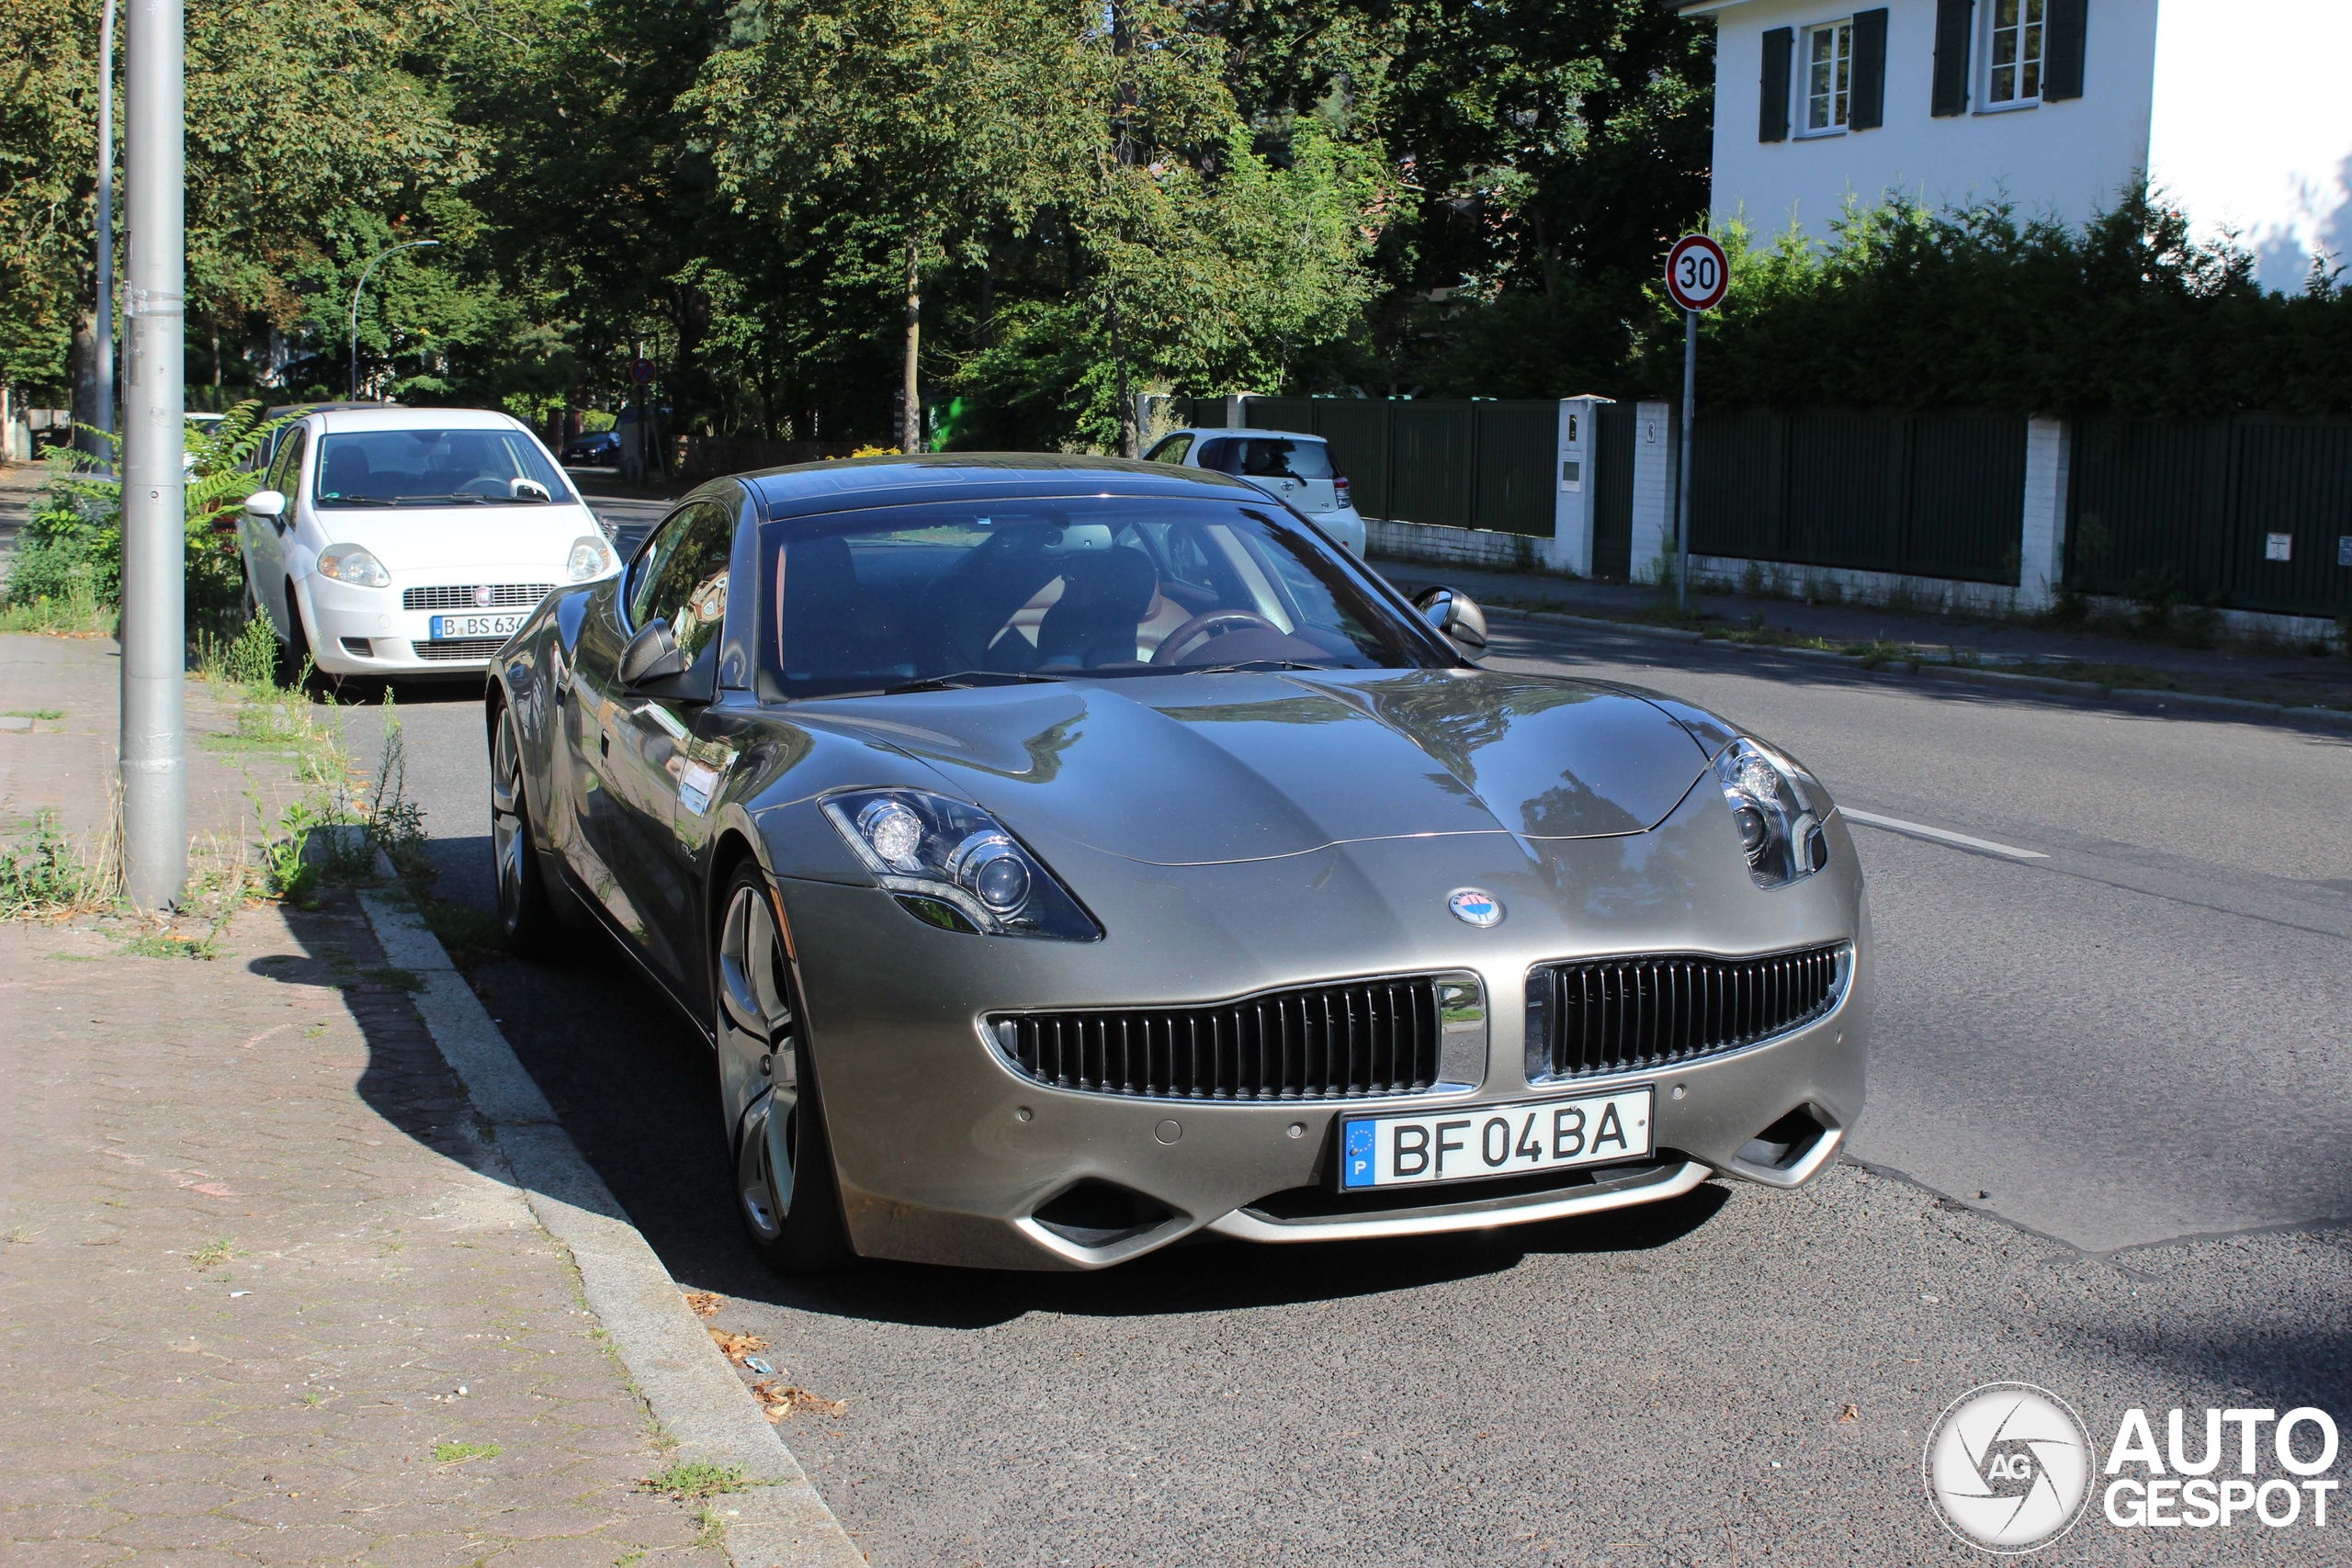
(1697, 275)
(641, 372)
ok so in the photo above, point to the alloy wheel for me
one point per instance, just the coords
(754, 1006)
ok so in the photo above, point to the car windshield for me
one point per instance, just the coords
(1260, 457)
(1096, 586)
(430, 466)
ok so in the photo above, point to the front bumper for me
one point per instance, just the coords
(365, 631)
(947, 1154)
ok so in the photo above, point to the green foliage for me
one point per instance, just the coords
(693, 1480)
(49, 874)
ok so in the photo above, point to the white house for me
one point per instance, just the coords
(2236, 109)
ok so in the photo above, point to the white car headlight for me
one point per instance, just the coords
(1778, 808)
(952, 866)
(591, 557)
(349, 563)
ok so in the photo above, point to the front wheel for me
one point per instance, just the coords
(525, 919)
(785, 1191)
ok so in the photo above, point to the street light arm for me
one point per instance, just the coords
(360, 288)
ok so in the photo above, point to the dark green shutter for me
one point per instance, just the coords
(1950, 94)
(1772, 92)
(1868, 111)
(2062, 63)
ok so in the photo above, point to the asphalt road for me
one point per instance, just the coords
(2134, 1048)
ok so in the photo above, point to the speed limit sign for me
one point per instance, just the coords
(1696, 273)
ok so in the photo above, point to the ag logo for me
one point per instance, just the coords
(2008, 1467)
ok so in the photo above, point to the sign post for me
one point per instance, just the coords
(1697, 277)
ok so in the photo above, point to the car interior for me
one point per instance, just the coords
(1069, 590)
(439, 467)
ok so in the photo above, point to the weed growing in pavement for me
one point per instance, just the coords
(165, 944)
(74, 610)
(693, 1480)
(43, 716)
(51, 874)
(457, 1453)
(212, 1254)
(1880, 651)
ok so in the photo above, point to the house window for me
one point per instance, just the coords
(1829, 76)
(2015, 57)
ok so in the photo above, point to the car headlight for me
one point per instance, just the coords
(1778, 808)
(590, 556)
(349, 563)
(952, 866)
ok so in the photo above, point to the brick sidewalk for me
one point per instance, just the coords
(258, 1265)
(254, 1273)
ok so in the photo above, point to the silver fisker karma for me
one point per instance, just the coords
(1064, 857)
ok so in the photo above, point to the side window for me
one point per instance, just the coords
(286, 473)
(683, 579)
(1223, 455)
(1172, 450)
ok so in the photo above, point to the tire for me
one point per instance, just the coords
(526, 920)
(786, 1192)
(295, 651)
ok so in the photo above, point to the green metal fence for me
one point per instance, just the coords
(2203, 508)
(1466, 464)
(1935, 494)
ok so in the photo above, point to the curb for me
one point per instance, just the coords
(693, 1393)
(2197, 704)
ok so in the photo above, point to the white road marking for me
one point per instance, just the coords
(1896, 825)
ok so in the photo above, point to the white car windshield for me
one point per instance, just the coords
(435, 468)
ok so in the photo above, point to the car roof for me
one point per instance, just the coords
(1252, 432)
(807, 489)
(378, 417)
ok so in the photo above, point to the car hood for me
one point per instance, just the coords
(1195, 769)
(439, 538)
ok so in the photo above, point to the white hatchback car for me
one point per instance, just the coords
(408, 542)
(1291, 467)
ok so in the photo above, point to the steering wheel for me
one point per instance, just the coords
(1200, 627)
(484, 485)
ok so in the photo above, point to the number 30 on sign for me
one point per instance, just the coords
(1696, 273)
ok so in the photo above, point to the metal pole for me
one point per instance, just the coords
(102, 399)
(355, 290)
(154, 550)
(1682, 462)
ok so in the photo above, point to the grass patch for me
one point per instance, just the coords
(74, 613)
(49, 873)
(694, 1480)
(212, 1254)
(471, 937)
(458, 1453)
(166, 945)
(44, 715)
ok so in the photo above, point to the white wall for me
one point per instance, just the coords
(2065, 160)
(2252, 130)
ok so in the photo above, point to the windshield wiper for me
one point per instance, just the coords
(964, 677)
(1246, 664)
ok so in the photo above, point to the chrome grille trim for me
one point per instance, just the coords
(457, 647)
(502, 596)
(1343, 1040)
(1591, 1017)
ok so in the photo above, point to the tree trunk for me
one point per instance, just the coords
(82, 378)
(911, 391)
(1130, 439)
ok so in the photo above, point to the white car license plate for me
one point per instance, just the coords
(474, 626)
(1463, 1143)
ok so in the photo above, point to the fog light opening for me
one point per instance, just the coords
(1097, 1213)
(1785, 1142)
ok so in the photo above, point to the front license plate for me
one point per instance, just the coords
(474, 626)
(1464, 1143)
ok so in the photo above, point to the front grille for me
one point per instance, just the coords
(1342, 1042)
(1626, 1015)
(503, 595)
(359, 647)
(459, 648)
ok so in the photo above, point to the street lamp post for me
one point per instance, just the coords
(359, 288)
(154, 548)
(102, 377)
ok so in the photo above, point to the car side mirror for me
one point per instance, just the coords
(1456, 615)
(269, 504)
(652, 656)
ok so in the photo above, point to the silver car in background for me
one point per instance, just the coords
(1294, 468)
(1064, 857)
